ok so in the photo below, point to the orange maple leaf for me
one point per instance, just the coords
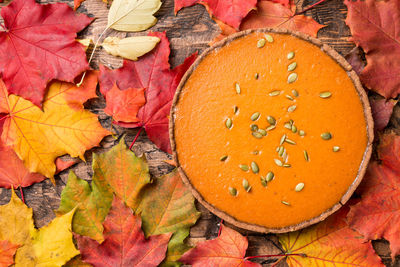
(62, 127)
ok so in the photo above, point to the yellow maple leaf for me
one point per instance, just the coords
(62, 127)
(51, 245)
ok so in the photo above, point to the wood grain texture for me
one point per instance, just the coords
(191, 30)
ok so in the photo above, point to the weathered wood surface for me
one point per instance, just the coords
(191, 30)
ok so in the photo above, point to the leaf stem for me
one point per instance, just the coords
(275, 255)
(220, 227)
(92, 54)
(308, 8)
(22, 194)
(136, 137)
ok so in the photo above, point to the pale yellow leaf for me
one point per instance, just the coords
(131, 47)
(85, 42)
(132, 15)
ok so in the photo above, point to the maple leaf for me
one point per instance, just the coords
(77, 262)
(377, 215)
(124, 244)
(167, 206)
(153, 73)
(228, 249)
(354, 59)
(39, 45)
(230, 12)
(7, 251)
(329, 243)
(273, 15)
(117, 170)
(62, 127)
(374, 26)
(123, 105)
(49, 246)
(382, 110)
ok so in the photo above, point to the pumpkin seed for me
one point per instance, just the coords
(270, 176)
(223, 158)
(291, 122)
(287, 125)
(255, 116)
(326, 136)
(336, 149)
(235, 109)
(228, 123)
(254, 167)
(289, 97)
(292, 77)
(262, 131)
(282, 139)
(294, 129)
(275, 93)
(233, 191)
(271, 127)
(292, 66)
(306, 156)
(299, 187)
(302, 133)
(269, 38)
(287, 165)
(291, 108)
(284, 155)
(290, 55)
(325, 94)
(281, 150)
(287, 140)
(256, 76)
(257, 135)
(285, 202)
(237, 88)
(295, 93)
(254, 127)
(263, 181)
(278, 162)
(255, 152)
(244, 167)
(246, 185)
(271, 120)
(261, 42)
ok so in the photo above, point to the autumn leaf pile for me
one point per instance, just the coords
(126, 217)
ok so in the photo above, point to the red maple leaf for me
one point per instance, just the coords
(382, 110)
(229, 249)
(124, 242)
(374, 26)
(230, 12)
(39, 45)
(377, 215)
(153, 73)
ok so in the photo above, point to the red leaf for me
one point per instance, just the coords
(7, 251)
(382, 110)
(230, 12)
(374, 26)
(354, 59)
(153, 73)
(65, 164)
(377, 215)
(39, 45)
(229, 249)
(269, 14)
(123, 105)
(124, 242)
(285, 3)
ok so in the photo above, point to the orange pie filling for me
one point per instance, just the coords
(270, 130)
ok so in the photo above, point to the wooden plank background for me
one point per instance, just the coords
(191, 30)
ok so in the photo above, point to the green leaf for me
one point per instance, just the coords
(168, 206)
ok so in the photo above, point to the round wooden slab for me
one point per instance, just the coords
(367, 114)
